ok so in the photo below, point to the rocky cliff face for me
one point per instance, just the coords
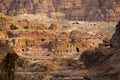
(7, 61)
(103, 62)
(115, 41)
(107, 10)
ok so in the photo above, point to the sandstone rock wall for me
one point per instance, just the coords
(103, 62)
(107, 10)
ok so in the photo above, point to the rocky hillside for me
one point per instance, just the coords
(44, 52)
(105, 10)
(103, 62)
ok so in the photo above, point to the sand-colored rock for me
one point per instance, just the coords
(7, 23)
(3, 35)
(65, 9)
(25, 24)
(74, 42)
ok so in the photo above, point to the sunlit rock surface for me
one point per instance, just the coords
(107, 10)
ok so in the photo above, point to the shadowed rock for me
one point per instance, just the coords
(7, 62)
(115, 41)
(103, 62)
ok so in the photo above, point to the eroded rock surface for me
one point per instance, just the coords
(8, 23)
(107, 10)
(103, 62)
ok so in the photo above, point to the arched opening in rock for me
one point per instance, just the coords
(67, 45)
(66, 50)
(23, 50)
(42, 39)
(77, 49)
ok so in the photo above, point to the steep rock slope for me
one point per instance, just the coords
(107, 10)
(103, 63)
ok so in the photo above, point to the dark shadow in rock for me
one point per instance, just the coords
(7, 61)
(103, 62)
(115, 40)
